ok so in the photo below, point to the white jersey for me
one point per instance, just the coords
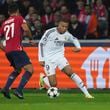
(51, 45)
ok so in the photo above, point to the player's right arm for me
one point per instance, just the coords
(26, 29)
(41, 46)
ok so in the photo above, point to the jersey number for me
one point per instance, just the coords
(9, 29)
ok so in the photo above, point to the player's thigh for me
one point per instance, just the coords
(50, 68)
(18, 59)
(65, 66)
(29, 67)
(62, 63)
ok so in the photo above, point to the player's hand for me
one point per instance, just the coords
(76, 49)
(2, 47)
(42, 63)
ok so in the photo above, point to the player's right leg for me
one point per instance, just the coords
(50, 68)
(42, 81)
(48, 80)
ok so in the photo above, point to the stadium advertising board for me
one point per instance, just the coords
(92, 64)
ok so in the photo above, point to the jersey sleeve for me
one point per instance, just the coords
(74, 40)
(41, 45)
(21, 20)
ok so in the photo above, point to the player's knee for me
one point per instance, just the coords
(68, 70)
(29, 68)
(18, 70)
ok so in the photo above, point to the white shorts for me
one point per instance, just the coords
(50, 66)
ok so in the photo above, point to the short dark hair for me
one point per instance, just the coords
(13, 7)
(63, 19)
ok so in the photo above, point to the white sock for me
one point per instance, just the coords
(79, 83)
(46, 81)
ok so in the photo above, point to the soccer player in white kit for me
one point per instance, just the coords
(51, 55)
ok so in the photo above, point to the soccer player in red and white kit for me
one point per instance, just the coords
(12, 29)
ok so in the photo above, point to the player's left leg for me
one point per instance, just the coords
(11, 78)
(68, 70)
(23, 61)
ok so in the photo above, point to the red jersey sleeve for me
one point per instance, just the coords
(22, 20)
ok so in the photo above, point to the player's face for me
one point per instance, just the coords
(62, 27)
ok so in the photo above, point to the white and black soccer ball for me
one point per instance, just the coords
(53, 92)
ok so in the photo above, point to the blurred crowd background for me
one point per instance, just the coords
(89, 19)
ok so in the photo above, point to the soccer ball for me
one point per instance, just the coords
(53, 92)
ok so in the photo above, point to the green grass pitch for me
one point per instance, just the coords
(69, 100)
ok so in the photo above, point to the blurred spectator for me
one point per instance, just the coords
(35, 16)
(80, 9)
(76, 28)
(53, 4)
(2, 18)
(38, 30)
(57, 16)
(65, 13)
(107, 4)
(48, 16)
(31, 22)
(57, 4)
(48, 12)
(46, 3)
(72, 6)
(60, 4)
(4, 7)
(91, 23)
(31, 10)
(2, 2)
(24, 7)
(102, 15)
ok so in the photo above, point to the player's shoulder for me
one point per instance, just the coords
(51, 30)
(19, 17)
(68, 33)
(7, 21)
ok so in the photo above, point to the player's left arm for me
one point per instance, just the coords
(74, 40)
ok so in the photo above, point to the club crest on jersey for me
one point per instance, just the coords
(58, 42)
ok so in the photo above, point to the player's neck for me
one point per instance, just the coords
(58, 30)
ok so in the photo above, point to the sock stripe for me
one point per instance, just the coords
(72, 76)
